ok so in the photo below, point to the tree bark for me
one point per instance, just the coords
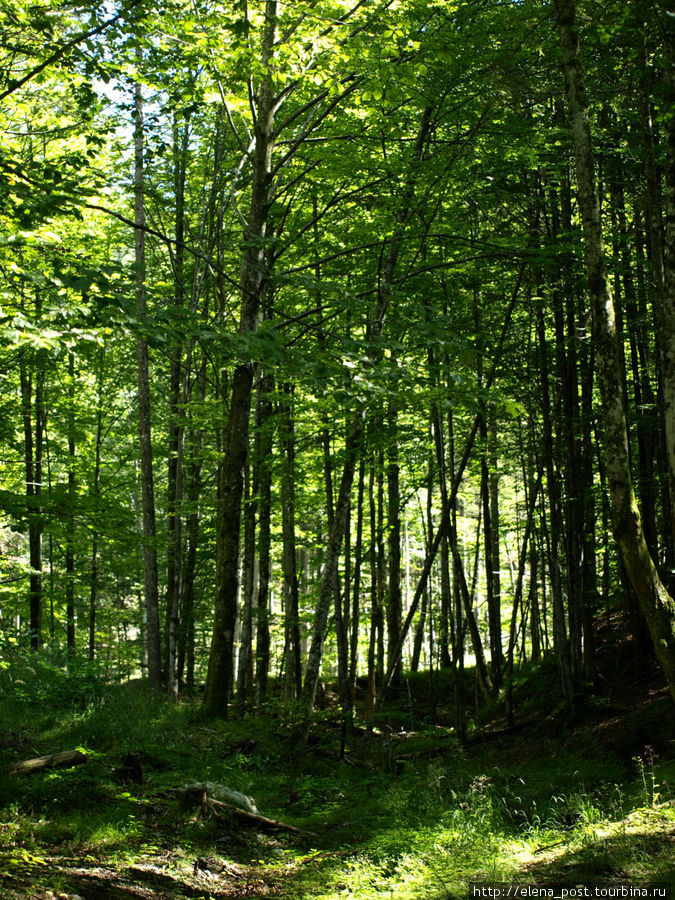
(219, 678)
(245, 661)
(327, 588)
(356, 596)
(664, 295)
(655, 602)
(70, 536)
(668, 21)
(63, 758)
(292, 661)
(263, 453)
(33, 466)
(144, 426)
(95, 496)
(176, 427)
(394, 600)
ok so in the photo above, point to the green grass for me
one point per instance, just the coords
(407, 815)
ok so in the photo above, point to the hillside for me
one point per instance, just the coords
(406, 812)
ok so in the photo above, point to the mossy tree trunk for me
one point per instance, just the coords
(656, 604)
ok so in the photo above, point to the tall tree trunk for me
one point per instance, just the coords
(327, 588)
(33, 466)
(394, 600)
(356, 595)
(292, 661)
(446, 595)
(381, 569)
(369, 701)
(668, 21)
(571, 432)
(70, 536)
(664, 299)
(95, 497)
(657, 605)
(497, 653)
(517, 599)
(185, 664)
(176, 427)
(219, 678)
(152, 630)
(263, 453)
(457, 617)
(186, 648)
(245, 658)
(560, 639)
(643, 395)
(482, 672)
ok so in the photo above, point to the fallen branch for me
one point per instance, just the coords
(216, 805)
(64, 758)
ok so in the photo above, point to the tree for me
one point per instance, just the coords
(657, 605)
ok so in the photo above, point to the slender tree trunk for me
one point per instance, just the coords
(644, 401)
(219, 678)
(356, 596)
(458, 618)
(33, 466)
(144, 427)
(185, 662)
(374, 591)
(560, 639)
(493, 614)
(263, 453)
(186, 650)
(497, 653)
(517, 599)
(446, 594)
(327, 588)
(381, 570)
(95, 496)
(176, 427)
(394, 599)
(482, 672)
(655, 602)
(292, 661)
(72, 488)
(245, 661)
(668, 312)
(570, 433)
(664, 296)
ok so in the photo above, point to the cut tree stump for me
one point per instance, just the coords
(64, 758)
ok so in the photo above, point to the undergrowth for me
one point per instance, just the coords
(404, 814)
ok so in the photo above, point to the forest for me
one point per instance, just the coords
(337, 428)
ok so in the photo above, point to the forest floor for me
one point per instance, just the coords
(404, 812)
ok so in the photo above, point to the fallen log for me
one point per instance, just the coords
(219, 792)
(64, 758)
(216, 805)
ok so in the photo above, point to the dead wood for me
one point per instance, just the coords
(64, 758)
(216, 805)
